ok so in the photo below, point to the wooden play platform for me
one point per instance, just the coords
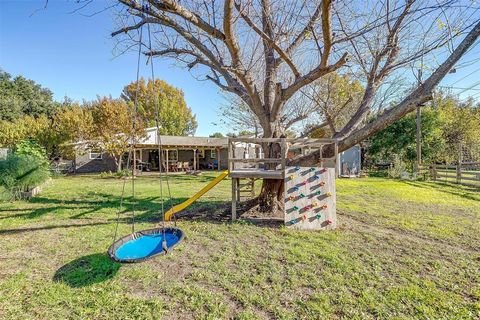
(310, 201)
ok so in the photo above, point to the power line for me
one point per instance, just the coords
(458, 88)
(476, 70)
(471, 87)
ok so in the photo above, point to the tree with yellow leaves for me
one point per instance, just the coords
(114, 127)
(175, 117)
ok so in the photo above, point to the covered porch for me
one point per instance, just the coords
(179, 159)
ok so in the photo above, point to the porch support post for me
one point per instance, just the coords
(166, 160)
(194, 159)
(218, 158)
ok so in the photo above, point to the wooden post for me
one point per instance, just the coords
(238, 189)
(434, 170)
(166, 160)
(418, 163)
(218, 158)
(194, 160)
(234, 199)
(459, 163)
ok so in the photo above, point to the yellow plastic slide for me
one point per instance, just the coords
(183, 205)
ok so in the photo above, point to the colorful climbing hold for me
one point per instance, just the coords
(306, 208)
(291, 198)
(318, 216)
(293, 221)
(292, 177)
(318, 193)
(304, 217)
(325, 206)
(329, 194)
(301, 195)
(322, 183)
(315, 177)
(297, 168)
(312, 169)
(329, 221)
(314, 204)
(295, 188)
(295, 208)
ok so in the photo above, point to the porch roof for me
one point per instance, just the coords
(184, 142)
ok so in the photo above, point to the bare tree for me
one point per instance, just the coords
(237, 116)
(267, 51)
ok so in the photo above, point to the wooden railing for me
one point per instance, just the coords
(464, 173)
(284, 145)
(233, 158)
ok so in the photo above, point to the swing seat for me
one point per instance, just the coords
(145, 244)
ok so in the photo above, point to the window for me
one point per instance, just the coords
(201, 153)
(95, 154)
(213, 154)
(172, 155)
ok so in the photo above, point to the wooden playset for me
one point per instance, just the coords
(310, 195)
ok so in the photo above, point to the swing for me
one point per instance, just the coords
(143, 245)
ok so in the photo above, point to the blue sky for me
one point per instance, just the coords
(73, 56)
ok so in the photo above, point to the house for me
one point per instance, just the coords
(350, 162)
(180, 153)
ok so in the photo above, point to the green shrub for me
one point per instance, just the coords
(398, 168)
(33, 149)
(22, 172)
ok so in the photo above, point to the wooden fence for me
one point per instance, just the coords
(463, 173)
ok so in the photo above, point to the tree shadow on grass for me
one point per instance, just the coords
(62, 226)
(466, 192)
(87, 270)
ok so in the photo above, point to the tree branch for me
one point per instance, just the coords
(176, 8)
(270, 41)
(301, 36)
(313, 75)
(418, 97)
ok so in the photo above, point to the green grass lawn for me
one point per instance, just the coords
(403, 250)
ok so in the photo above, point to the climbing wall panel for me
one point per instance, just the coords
(310, 201)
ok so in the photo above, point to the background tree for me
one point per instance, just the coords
(216, 135)
(56, 135)
(20, 96)
(399, 139)
(114, 128)
(237, 116)
(176, 118)
(267, 51)
(460, 125)
(71, 125)
(335, 98)
(23, 128)
(447, 124)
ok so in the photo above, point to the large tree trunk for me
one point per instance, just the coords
(270, 200)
